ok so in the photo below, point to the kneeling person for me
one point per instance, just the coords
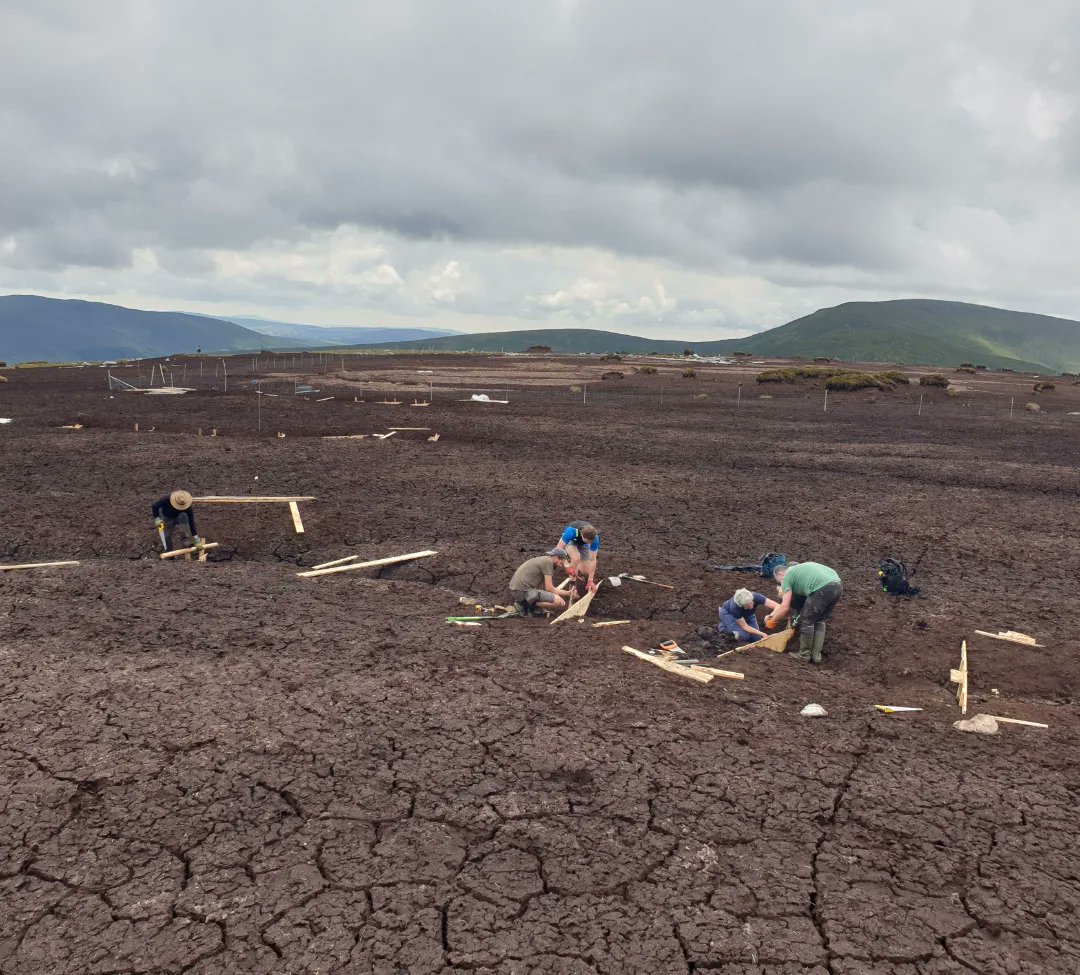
(532, 584)
(172, 513)
(737, 615)
(812, 590)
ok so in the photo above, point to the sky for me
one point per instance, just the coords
(685, 168)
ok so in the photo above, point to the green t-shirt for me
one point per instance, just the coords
(806, 578)
(530, 575)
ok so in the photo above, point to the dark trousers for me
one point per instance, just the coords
(181, 521)
(818, 606)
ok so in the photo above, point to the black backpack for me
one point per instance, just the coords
(893, 576)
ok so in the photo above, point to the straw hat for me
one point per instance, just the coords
(180, 500)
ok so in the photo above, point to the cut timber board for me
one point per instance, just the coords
(383, 436)
(229, 499)
(373, 564)
(644, 581)
(672, 668)
(324, 399)
(187, 551)
(294, 510)
(1010, 636)
(408, 428)
(327, 565)
(576, 609)
(347, 436)
(33, 565)
(730, 674)
(959, 676)
(777, 642)
(596, 626)
(1026, 724)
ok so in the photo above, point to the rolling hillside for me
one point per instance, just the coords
(922, 332)
(64, 330)
(337, 334)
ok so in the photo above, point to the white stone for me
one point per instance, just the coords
(814, 711)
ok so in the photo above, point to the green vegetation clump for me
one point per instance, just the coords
(688, 374)
(898, 378)
(858, 380)
(966, 368)
(611, 357)
(1033, 408)
(791, 374)
(1044, 387)
(614, 374)
(647, 370)
(743, 355)
(934, 379)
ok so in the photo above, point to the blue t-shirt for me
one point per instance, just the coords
(570, 537)
(730, 613)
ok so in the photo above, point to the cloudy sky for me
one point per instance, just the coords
(688, 167)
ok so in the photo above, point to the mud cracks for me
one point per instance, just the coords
(227, 769)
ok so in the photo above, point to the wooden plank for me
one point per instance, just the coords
(231, 499)
(327, 565)
(408, 428)
(383, 436)
(187, 551)
(33, 565)
(962, 689)
(597, 626)
(1026, 724)
(347, 436)
(1012, 637)
(671, 668)
(373, 564)
(730, 674)
(576, 609)
(644, 581)
(777, 642)
(294, 510)
(324, 399)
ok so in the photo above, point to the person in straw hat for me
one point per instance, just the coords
(172, 512)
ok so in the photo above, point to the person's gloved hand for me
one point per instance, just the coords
(196, 540)
(770, 623)
(592, 586)
(159, 523)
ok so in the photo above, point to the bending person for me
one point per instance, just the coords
(582, 543)
(737, 616)
(812, 590)
(532, 585)
(172, 513)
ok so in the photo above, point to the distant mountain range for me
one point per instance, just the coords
(65, 330)
(916, 331)
(33, 329)
(338, 334)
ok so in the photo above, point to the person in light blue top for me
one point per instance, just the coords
(737, 616)
(581, 542)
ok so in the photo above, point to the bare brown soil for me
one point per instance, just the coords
(225, 768)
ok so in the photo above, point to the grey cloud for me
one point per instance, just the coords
(778, 140)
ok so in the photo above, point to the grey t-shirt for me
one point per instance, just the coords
(531, 574)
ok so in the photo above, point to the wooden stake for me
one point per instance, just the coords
(959, 676)
(230, 499)
(324, 399)
(327, 565)
(369, 565)
(383, 436)
(577, 609)
(187, 551)
(1011, 636)
(1026, 724)
(294, 510)
(433, 438)
(672, 668)
(408, 428)
(33, 565)
(730, 674)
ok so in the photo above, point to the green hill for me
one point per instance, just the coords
(33, 328)
(916, 331)
(926, 332)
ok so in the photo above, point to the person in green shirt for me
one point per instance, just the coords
(812, 590)
(531, 586)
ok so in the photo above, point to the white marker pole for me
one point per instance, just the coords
(826, 409)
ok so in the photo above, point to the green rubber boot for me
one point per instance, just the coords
(819, 642)
(806, 646)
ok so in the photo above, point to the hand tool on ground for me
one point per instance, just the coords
(637, 578)
(160, 525)
(894, 709)
(512, 614)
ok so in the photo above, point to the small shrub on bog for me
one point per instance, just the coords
(647, 370)
(1033, 408)
(933, 379)
(952, 392)
(1044, 387)
(688, 374)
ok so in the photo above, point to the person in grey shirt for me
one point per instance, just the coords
(532, 586)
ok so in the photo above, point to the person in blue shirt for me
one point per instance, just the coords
(581, 543)
(737, 616)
